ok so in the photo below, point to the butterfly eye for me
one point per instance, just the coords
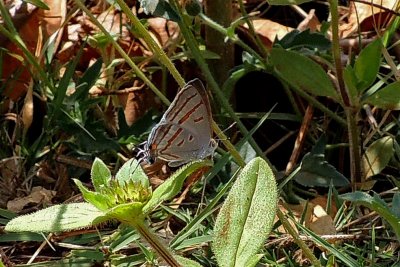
(150, 160)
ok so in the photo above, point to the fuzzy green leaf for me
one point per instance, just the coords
(375, 203)
(100, 174)
(246, 217)
(58, 218)
(97, 199)
(132, 171)
(386, 98)
(173, 185)
(377, 156)
(129, 212)
(302, 72)
(187, 262)
(367, 64)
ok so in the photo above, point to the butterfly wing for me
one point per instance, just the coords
(173, 143)
(184, 132)
(191, 110)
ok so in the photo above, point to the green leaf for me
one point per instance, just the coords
(305, 39)
(22, 236)
(350, 80)
(58, 218)
(128, 213)
(344, 257)
(377, 156)
(386, 98)
(254, 260)
(87, 80)
(7, 214)
(95, 256)
(160, 8)
(375, 203)
(61, 90)
(132, 170)
(316, 171)
(367, 64)
(187, 262)
(287, 2)
(173, 185)
(99, 200)
(246, 217)
(302, 72)
(395, 205)
(100, 174)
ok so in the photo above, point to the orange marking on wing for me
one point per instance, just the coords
(190, 112)
(171, 140)
(181, 143)
(164, 133)
(171, 155)
(182, 106)
(199, 119)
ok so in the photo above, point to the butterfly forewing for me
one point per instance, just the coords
(184, 132)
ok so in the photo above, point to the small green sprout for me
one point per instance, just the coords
(127, 197)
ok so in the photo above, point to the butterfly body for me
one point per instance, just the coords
(184, 132)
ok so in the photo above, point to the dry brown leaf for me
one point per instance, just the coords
(320, 222)
(367, 16)
(268, 30)
(315, 217)
(310, 22)
(165, 31)
(27, 24)
(39, 195)
(297, 211)
(323, 202)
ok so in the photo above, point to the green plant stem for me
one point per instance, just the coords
(155, 243)
(212, 24)
(156, 49)
(350, 110)
(260, 45)
(128, 60)
(308, 253)
(159, 53)
(192, 44)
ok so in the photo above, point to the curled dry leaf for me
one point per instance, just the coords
(315, 216)
(309, 22)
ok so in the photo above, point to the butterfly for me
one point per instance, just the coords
(184, 133)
